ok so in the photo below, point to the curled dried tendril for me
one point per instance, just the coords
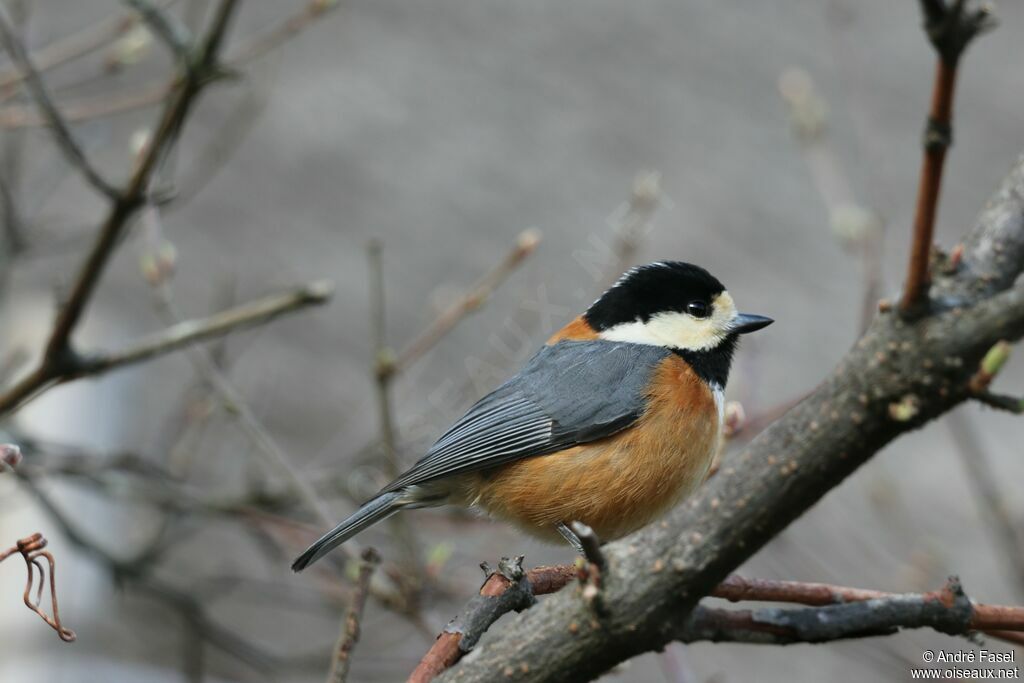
(33, 550)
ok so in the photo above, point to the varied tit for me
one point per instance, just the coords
(614, 421)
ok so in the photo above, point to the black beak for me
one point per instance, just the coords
(748, 322)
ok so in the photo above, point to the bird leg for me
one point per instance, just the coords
(591, 567)
(571, 537)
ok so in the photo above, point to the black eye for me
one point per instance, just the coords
(698, 309)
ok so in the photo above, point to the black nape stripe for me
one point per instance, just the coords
(711, 365)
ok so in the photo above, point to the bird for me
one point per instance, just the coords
(614, 421)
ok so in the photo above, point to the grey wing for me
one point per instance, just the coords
(569, 393)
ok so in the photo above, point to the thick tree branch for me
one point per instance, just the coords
(878, 613)
(656, 576)
(988, 494)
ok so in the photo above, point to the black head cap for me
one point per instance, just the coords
(648, 290)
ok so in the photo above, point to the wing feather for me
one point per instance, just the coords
(569, 393)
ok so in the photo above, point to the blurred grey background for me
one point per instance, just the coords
(444, 129)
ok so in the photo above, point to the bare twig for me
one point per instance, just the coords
(166, 134)
(188, 332)
(384, 374)
(266, 445)
(950, 27)
(470, 302)
(59, 357)
(33, 549)
(168, 27)
(272, 453)
(88, 108)
(54, 119)
(474, 298)
(858, 227)
(988, 495)
(350, 629)
(13, 147)
(257, 45)
(384, 358)
(173, 338)
(14, 235)
(644, 200)
(134, 569)
(17, 116)
(78, 44)
(1010, 404)
(238, 122)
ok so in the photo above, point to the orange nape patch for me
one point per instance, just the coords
(617, 484)
(578, 330)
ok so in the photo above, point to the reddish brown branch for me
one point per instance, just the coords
(32, 550)
(946, 609)
(938, 136)
(736, 588)
(950, 28)
(449, 646)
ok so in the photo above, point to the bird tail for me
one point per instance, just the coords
(381, 507)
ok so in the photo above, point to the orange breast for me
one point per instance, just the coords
(617, 484)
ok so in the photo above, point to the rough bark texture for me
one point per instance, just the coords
(656, 576)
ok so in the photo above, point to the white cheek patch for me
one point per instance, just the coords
(677, 330)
